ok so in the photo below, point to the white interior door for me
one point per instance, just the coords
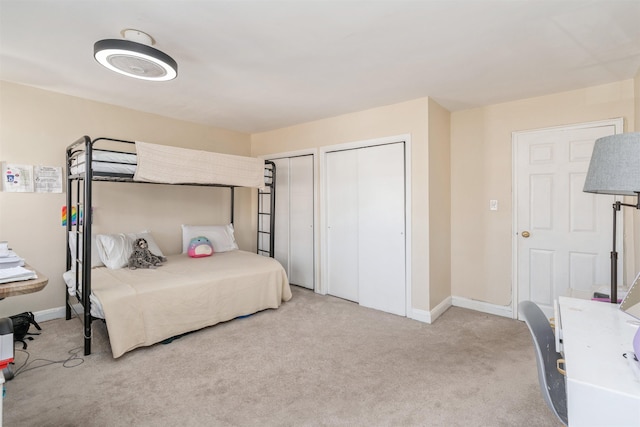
(563, 234)
(294, 233)
(365, 196)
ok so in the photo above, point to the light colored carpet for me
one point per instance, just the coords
(315, 361)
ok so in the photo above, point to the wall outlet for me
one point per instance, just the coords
(493, 205)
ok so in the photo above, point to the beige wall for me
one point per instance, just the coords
(481, 170)
(439, 204)
(35, 128)
(458, 248)
(404, 118)
(636, 88)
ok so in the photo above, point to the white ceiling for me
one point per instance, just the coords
(253, 66)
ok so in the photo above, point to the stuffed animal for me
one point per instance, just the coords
(141, 257)
(200, 247)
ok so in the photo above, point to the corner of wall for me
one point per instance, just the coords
(439, 131)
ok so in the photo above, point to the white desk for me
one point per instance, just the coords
(603, 389)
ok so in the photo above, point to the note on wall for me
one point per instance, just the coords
(48, 179)
(17, 178)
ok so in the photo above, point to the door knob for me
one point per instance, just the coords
(525, 234)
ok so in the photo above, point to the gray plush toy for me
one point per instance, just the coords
(141, 257)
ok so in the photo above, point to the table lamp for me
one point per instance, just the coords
(615, 169)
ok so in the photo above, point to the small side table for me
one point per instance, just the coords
(11, 289)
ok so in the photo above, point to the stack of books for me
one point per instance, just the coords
(12, 269)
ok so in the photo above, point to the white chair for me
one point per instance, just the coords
(552, 382)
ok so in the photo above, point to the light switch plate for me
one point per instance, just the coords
(493, 205)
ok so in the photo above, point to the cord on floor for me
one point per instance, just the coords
(70, 362)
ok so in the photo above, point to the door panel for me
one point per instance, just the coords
(301, 271)
(281, 241)
(294, 244)
(342, 224)
(366, 226)
(381, 242)
(570, 231)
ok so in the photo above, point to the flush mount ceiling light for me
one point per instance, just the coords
(134, 57)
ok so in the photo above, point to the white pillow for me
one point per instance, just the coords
(220, 236)
(95, 257)
(115, 249)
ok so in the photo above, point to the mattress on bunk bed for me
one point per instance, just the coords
(174, 165)
(110, 162)
(145, 306)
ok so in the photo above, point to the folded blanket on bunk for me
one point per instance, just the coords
(173, 165)
(146, 306)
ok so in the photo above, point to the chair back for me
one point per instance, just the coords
(552, 382)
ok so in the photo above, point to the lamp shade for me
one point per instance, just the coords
(615, 165)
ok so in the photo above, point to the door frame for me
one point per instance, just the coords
(618, 124)
(316, 236)
(323, 286)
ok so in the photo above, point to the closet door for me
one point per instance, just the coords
(281, 244)
(381, 233)
(301, 210)
(342, 224)
(294, 244)
(365, 226)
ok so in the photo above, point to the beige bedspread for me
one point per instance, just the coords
(174, 165)
(145, 306)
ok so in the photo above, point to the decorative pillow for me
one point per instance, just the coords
(220, 236)
(115, 249)
(95, 256)
(199, 247)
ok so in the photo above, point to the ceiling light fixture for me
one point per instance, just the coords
(134, 57)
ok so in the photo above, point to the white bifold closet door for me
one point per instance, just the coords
(365, 196)
(294, 218)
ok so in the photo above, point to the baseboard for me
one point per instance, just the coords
(419, 315)
(430, 316)
(49, 314)
(54, 313)
(415, 314)
(485, 307)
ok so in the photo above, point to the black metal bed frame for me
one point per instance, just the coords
(81, 196)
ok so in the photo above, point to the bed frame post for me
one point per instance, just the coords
(233, 197)
(86, 247)
(68, 229)
(272, 218)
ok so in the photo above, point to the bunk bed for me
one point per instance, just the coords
(145, 306)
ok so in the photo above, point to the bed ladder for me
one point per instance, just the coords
(266, 209)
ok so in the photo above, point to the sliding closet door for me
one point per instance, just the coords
(281, 235)
(365, 226)
(301, 211)
(342, 223)
(381, 240)
(294, 244)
